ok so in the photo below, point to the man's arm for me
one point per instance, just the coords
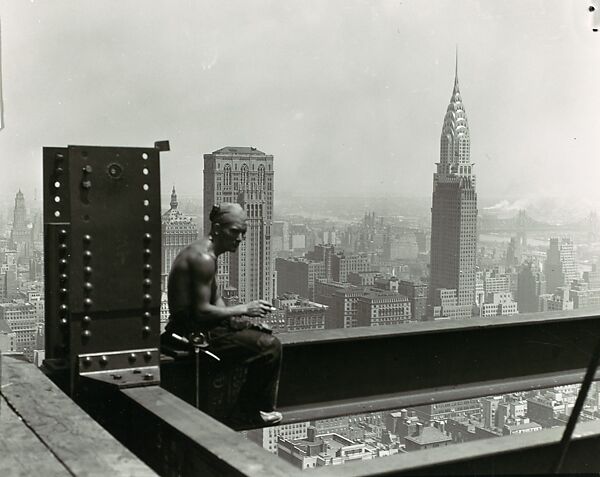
(203, 270)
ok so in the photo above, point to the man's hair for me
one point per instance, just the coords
(220, 213)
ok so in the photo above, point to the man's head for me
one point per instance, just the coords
(228, 226)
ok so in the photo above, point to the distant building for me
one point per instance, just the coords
(417, 296)
(560, 268)
(21, 318)
(8, 338)
(321, 450)
(445, 305)
(427, 437)
(342, 265)
(498, 304)
(380, 308)
(298, 275)
(362, 278)
(243, 175)
(178, 230)
(21, 238)
(582, 296)
(267, 437)
(447, 410)
(342, 302)
(520, 426)
(592, 277)
(559, 301)
(454, 214)
(532, 284)
(300, 314)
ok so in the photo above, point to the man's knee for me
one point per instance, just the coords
(270, 344)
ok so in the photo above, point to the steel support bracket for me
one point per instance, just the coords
(123, 369)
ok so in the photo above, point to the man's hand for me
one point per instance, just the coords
(258, 308)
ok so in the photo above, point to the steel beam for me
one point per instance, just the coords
(335, 372)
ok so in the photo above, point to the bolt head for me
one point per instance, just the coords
(87, 239)
(146, 329)
(147, 238)
(147, 282)
(148, 355)
(147, 315)
(87, 254)
(87, 361)
(87, 270)
(64, 321)
(132, 357)
(62, 233)
(87, 302)
(103, 359)
(87, 286)
(63, 277)
(87, 319)
(86, 334)
(147, 298)
(147, 267)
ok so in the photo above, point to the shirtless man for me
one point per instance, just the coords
(196, 306)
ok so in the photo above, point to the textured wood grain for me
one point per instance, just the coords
(21, 452)
(79, 442)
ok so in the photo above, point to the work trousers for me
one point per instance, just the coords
(261, 353)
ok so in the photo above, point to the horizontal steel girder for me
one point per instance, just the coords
(335, 372)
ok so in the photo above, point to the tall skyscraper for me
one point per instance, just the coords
(243, 175)
(454, 212)
(20, 235)
(178, 230)
(560, 268)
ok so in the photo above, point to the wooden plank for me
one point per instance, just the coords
(211, 448)
(21, 452)
(79, 442)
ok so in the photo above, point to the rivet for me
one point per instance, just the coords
(63, 291)
(87, 361)
(147, 252)
(147, 282)
(87, 238)
(62, 233)
(88, 286)
(87, 270)
(147, 238)
(64, 321)
(62, 248)
(87, 255)
(63, 262)
(147, 267)
(132, 357)
(63, 309)
(148, 355)
(103, 359)
(148, 376)
(136, 371)
(87, 302)
(87, 169)
(146, 329)
(86, 334)
(63, 277)
(87, 319)
(147, 298)
(147, 315)
(59, 170)
(116, 376)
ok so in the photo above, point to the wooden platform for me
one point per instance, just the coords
(43, 432)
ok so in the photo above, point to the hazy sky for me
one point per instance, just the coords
(349, 96)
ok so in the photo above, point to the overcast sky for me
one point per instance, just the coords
(349, 96)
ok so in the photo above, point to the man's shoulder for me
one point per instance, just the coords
(196, 254)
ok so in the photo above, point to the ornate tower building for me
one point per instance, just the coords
(178, 230)
(243, 175)
(454, 217)
(20, 235)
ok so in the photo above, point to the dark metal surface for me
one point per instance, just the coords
(187, 442)
(102, 250)
(459, 358)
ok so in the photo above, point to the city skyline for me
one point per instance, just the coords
(343, 108)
